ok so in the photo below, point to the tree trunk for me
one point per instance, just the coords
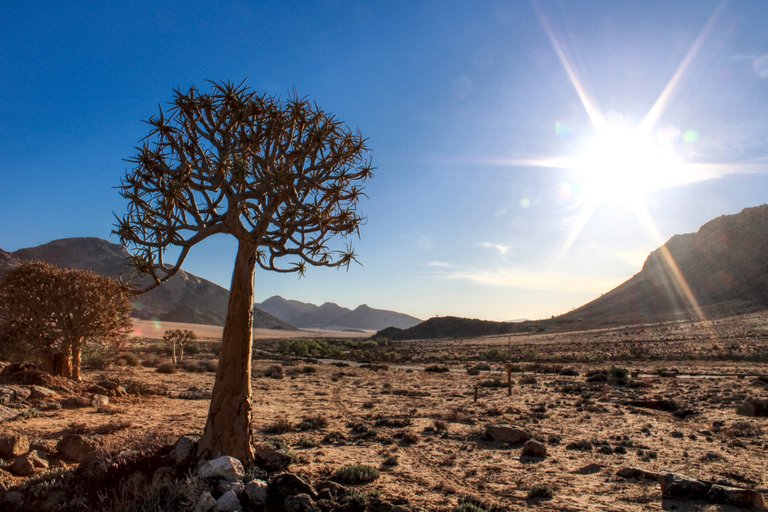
(57, 363)
(174, 352)
(181, 353)
(228, 428)
(77, 350)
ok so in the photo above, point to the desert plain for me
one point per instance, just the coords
(602, 403)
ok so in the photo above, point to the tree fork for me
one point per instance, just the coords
(229, 416)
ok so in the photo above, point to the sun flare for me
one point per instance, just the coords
(622, 163)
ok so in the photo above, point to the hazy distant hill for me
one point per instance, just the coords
(333, 316)
(184, 298)
(723, 267)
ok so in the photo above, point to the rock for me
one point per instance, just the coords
(271, 459)
(6, 413)
(6, 480)
(135, 483)
(256, 491)
(637, 473)
(288, 484)
(682, 487)
(12, 393)
(13, 445)
(742, 498)
(533, 448)
(506, 434)
(204, 502)
(753, 407)
(237, 487)
(29, 464)
(228, 502)
(41, 393)
(228, 468)
(300, 503)
(589, 469)
(100, 400)
(334, 489)
(113, 388)
(656, 405)
(76, 447)
(184, 450)
(162, 477)
(75, 402)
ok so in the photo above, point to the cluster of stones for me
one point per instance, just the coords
(673, 486)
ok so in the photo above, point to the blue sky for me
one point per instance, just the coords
(466, 106)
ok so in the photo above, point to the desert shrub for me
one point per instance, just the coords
(390, 460)
(744, 429)
(210, 365)
(473, 371)
(440, 426)
(618, 376)
(193, 367)
(392, 422)
(356, 474)
(130, 359)
(540, 492)
(470, 504)
(280, 426)
(408, 438)
(597, 376)
(436, 368)
(274, 372)
(307, 442)
(97, 358)
(569, 372)
(313, 422)
(166, 368)
(494, 382)
(151, 362)
(308, 369)
(494, 354)
(528, 379)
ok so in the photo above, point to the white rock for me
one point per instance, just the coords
(184, 450)
(256, 490)
(205, 502)
(228, 502)
(226, 467)
(223, 486)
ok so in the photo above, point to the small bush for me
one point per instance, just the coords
(274, 372)
(436, 368)
(279, 427)
(313, 422)
(356, 474)
(495, 382)
(540, 492)
(528, 379)
(166, 368)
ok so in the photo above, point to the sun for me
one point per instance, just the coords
(622, 163)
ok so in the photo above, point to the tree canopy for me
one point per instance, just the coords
(281, 176)
(50, 313)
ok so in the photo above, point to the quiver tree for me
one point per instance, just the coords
(50, 314)
(177, 338)
(282, 177)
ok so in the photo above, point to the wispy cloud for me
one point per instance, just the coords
(500, 248)
(438, 264)
(534, 280)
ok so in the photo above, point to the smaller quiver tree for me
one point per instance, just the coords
(281, 177)
(178, 338)
(52, 314)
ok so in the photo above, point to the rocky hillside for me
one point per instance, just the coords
(722, 270)
(184, 298)
(335, 317)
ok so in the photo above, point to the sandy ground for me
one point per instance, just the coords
(430, 427)
(155, 329)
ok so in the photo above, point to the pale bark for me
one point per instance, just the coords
(228, 429)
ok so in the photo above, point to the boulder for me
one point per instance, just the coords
(288, 484)
(637, 474)
(6, 413)
(533, 448)
(256, 491)
(184, 450)
(76, 447)
(506, 434)
(41, 393)
(228, 468)
(100, 400)
(334, 490)
(300, 503)
(742, 498)
(76, 402)
(12, 393)
(228, 502)
(29, 464)
(205, 502)
(270, 458)
(13, 445)
(682, 487)
(113, 388)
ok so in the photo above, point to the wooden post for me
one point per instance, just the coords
(476, 393)
(509, 380)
